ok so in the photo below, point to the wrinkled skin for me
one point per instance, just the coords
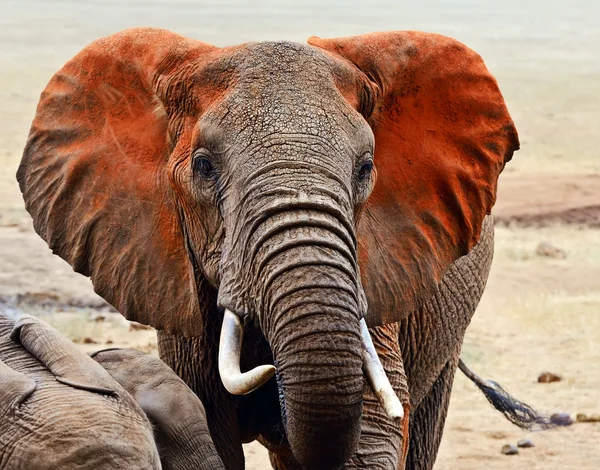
(60, 409)
(73, 415)
(420, 355)
(177, 414)
(185, 179)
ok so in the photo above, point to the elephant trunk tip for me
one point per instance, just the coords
(341, 444)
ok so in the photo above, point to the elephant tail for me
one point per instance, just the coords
(517, 412)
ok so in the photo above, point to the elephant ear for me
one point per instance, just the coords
(15, 388)
(442, 137)
(61, 357)
(97, 171)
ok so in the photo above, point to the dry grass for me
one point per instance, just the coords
(555, 115)
(582, 245)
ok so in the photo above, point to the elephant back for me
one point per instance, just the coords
(83, 426)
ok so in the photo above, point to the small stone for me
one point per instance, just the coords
(525, 443)
(583, 418)
(109, 341)
(561, 419)
(134, 326)
(548, 377)
(548, 250)
(98, 317)
(510, 449)
(88, 340)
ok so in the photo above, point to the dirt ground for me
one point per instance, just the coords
(539, 313)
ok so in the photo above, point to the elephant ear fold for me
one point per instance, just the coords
(97, 172)
(58, 354)
(442, 137)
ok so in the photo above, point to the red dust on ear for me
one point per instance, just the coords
(442, 137)
(95, 175)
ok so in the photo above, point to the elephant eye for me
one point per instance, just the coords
(365, 170)
(204, 167)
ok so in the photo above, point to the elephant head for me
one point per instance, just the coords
(59, 409)
(298, 181)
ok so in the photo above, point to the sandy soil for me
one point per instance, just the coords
(538, 313)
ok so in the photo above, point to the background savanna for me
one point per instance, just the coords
(541, 310)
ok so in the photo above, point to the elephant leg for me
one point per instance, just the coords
(430, 340)
(427, 421)
(382, 442)
(194, 359)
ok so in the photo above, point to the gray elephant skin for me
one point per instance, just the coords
(60, 409)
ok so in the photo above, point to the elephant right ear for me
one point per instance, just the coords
(97, 172)
(442, 136)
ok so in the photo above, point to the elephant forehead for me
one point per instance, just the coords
(284, 60)
(275, 73)
(283, 89)
(283, 121)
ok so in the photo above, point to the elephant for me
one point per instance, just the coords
(61, 409)
(307, 226)
(175, 411)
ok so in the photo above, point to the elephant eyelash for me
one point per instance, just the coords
(364, 178)
(204, 168)
(365, 171)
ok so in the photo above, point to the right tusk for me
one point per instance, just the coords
(230, 349)
(377, 376)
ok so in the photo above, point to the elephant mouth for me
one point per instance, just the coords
(242, 383)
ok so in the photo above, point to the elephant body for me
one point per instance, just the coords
(60, 409)
(301, 217)
(85, 420)
(176, 413)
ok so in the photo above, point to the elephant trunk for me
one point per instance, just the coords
(309, 307)
(290, 263)
(316, 343)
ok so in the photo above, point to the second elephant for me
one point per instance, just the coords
(61, 410)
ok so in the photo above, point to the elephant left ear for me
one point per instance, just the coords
(442, 137)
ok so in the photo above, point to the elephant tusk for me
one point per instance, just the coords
(230, 349)
(377, 376)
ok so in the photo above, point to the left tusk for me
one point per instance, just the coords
(377, 376)
(230, 350)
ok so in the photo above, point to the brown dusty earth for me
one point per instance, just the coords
(538, 314)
